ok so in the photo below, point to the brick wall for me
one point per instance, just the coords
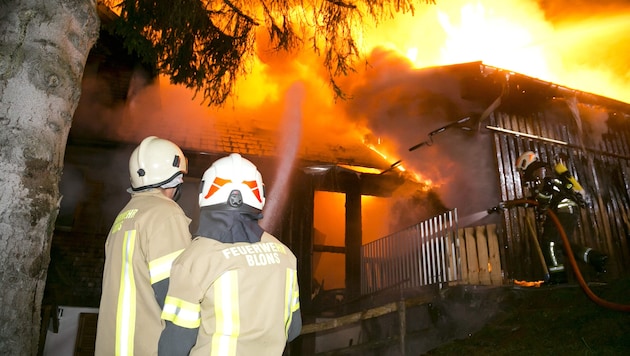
(76, 269)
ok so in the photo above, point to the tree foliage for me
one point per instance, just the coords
(206, 45)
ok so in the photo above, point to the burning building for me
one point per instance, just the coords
(327, 188)
(412, 143)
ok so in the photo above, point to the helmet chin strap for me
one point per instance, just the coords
(178, 193)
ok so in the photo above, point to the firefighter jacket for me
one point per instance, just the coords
(243, 297)
(558, 192)
(146, 237)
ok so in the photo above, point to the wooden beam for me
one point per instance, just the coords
(363, 315)
(327, 248)
(353, 239)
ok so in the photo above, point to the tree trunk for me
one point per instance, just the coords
(44, 45)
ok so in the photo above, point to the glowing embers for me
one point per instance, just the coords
(535, 284)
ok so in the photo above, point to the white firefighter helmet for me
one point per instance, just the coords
(531, 166)
(232, 183)
(156, 162)
(526, 159)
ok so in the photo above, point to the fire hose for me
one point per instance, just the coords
(569, 253)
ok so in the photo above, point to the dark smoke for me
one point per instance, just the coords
(403, 105)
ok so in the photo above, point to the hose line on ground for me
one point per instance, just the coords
(569, 253)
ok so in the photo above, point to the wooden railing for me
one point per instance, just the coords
(432, 252)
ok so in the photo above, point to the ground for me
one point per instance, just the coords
(555, 320)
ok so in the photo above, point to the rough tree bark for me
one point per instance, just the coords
(44, 45)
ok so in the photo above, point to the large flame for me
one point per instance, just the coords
(584, 49)
(579, 48)
(584, 53)
(587, 53)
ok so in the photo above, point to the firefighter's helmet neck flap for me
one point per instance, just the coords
(157, 163)
(231, 200)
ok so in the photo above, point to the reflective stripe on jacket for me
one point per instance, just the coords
(146, 237)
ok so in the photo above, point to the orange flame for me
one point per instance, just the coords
(587, 53)
(528, 283)
(426, 182)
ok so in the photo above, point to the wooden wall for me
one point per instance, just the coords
(594, 143)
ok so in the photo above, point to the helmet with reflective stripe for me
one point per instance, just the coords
(156, 162)
(232, 183)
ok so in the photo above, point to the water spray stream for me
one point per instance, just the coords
(472, 218)
(287, 152)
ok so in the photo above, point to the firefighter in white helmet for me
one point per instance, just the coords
(234, 291)
(146, 237)
(555, 189)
